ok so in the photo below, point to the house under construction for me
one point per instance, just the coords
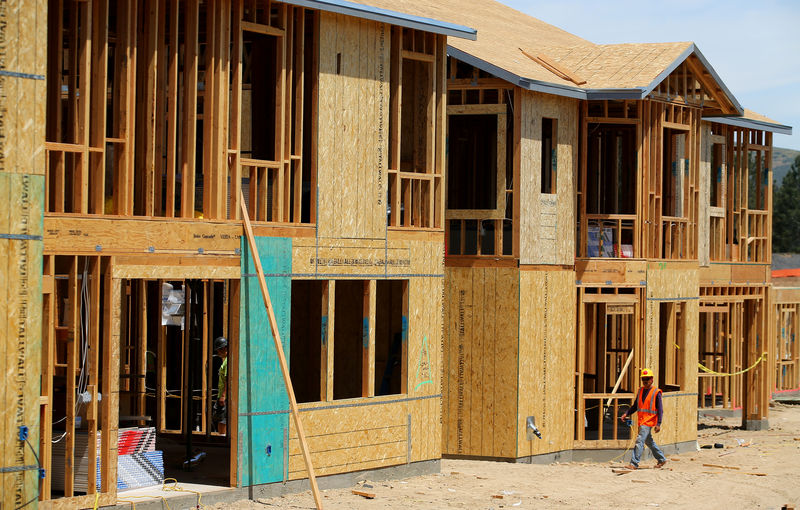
(131, 131)
(608, 209)
(467, 237)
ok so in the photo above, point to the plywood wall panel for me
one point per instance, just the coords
(481, 314)
(373, 432)
(352, 158)
(547, 221)
(675, 282)
(703, 218)
(23, 48)
(506, 365)
(344, 438)
(547, 354)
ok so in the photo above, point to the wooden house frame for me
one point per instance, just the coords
(785, 298)
(155, 120)
(596, 209)
(582, 244)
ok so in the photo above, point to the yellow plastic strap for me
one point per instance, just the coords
(707, 370)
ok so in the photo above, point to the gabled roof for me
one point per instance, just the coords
(538, 56)
(388, 14)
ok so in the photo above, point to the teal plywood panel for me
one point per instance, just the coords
(263, 403)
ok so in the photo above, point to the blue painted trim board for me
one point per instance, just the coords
(262, 445)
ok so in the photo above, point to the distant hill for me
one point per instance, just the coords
(782, 160)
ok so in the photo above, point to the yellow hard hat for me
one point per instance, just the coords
(646, 372)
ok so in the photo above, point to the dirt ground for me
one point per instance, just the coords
(753, 470)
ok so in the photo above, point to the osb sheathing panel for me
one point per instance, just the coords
(675, 282)
(547, 360)
(128, 236)
(720, 273)
(679, 423)
(611, 272)
(367, 433)
(179, 268)
(786, 295)
(23, 49)
(368, 257)
(353, 127)
(23, 105)
(703, 226)
(547, 221)
(480, 361)
(344, 439)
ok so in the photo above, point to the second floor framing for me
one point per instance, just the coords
(658, 178)
(171, 108)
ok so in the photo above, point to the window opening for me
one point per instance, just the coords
(611, 190)
(549, 156)
(391, 330)
(305, 348)
(348, 339)
(472, 162)
(672, 341)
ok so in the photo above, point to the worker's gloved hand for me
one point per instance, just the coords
(623, 418)
(657, 429)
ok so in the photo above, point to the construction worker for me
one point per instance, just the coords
(220, 414)
(648, 404)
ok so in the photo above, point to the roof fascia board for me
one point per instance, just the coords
(552, 88)
(387, 16)
(751, 124)
(484, 66)
(615, 94)
(534, 85)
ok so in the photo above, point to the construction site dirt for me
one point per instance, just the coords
(753, 469)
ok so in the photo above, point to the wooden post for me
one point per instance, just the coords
(273, 325)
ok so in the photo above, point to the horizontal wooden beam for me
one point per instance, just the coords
(480, 83)
(611, 298)
(612, 120)
(249, 26)
(476, 109)
(81, 235)
(676, 126)
(416, 55)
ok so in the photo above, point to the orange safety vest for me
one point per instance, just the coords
(647, 412)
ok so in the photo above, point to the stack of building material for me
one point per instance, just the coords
(139, 464)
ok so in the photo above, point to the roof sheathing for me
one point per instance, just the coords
(387, 15)
(502, 31)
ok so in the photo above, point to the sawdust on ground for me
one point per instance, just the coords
(755, 469)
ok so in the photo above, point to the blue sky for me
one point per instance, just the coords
(753, 46)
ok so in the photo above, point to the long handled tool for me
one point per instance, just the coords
(619, 380)
(273, 325)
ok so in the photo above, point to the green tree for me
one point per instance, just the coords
(786, 213)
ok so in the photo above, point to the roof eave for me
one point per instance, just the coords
(387, 16)
(615, 94)
(751, 124)
(514, 79)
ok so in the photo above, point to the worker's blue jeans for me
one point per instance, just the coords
(646, 438)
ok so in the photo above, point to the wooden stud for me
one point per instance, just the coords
(73, 339)
(189, 123)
